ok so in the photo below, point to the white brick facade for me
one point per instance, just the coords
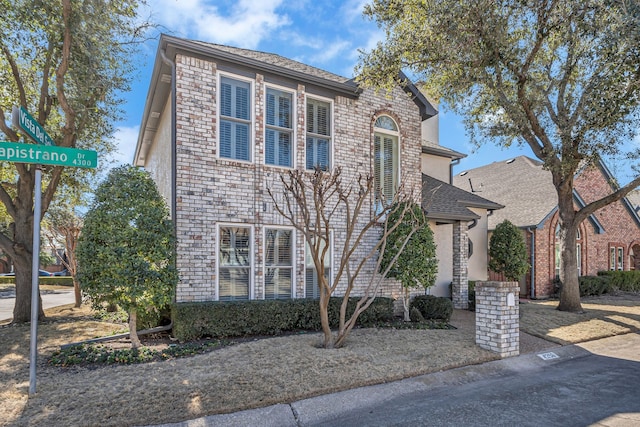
(210, 191)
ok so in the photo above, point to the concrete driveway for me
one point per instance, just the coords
(49, 299)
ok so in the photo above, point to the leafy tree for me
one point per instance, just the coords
(560, 76)
(508, 251)
(126, 252)
(314, 204)
(67, 62)
(417, 265)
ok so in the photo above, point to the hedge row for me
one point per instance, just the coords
(628, 281)
(220, 319)
(432, 307)
(43, 280)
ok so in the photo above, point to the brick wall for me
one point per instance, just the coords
(620, 230)
(212, 191)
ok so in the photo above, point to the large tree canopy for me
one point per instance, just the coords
(562, 76)
(66, 62)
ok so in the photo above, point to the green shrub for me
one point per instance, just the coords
(432, 307)
(415, 315)
(628, 281)
(594, 285)
(472, 295)
(220, 319)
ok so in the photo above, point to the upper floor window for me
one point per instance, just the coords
(279, 128)
(318, 134)
(386, 159)
(235, 119)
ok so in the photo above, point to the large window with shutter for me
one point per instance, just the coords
(385, 160)
(235, 119)
(312, 285)
(318, 145)
(278, 263)
(234, 263)
(279, 128)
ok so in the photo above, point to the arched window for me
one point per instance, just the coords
(578, 251)
(386, 159)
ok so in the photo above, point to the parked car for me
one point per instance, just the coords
(40, 273)
(64, 272)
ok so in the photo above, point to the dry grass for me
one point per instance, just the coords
(603, 317)
(254, 373)
(246, 375)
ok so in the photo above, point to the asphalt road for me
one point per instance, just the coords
(49, 299)
(591, 384)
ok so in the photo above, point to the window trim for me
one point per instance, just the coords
(397, 136)
(331, 128)
(251, 294)
(252, 116)
(293, 129)
(293, 258)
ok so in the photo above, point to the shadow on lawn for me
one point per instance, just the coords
(602, 317)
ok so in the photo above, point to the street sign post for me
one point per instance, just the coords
(47, 155)
(44, 153)
(22, 119)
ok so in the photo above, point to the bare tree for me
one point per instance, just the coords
(317, 203)
(64, 226)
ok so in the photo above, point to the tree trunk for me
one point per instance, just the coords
(133, 329)
(570, 290)
(327, 341)
(22, 260)
(77, 292)
(405, 305)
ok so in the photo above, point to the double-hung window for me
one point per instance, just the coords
(235, 119)
(234, 263)
(278, 263)
(279, 128)
(318, 135)
(386, 160)
(312, 284)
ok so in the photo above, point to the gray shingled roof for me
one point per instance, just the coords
(521, 185)
(277, 60)
(443, 201)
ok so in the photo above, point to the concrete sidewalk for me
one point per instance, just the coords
(330, 409)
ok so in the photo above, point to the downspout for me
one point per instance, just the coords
(174, 198)
(172, 64)
(454, 162)
(533, 262)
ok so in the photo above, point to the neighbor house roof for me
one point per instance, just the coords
(526, 190)
(445, 202)
(521, 185)
(263, 62)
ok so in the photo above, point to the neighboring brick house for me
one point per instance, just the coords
(221, 124)
(607, 240)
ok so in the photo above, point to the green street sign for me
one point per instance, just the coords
(47, 155)
(27, 123)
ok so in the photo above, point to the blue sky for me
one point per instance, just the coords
(324, 34)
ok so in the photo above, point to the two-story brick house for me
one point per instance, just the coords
(221, 124)
(608, 240)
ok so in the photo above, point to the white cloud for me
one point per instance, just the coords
(125, 139)
(244, 23)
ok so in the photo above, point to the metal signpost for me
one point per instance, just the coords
(45, 153)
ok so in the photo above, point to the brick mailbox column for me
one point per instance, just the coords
(497, 317)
